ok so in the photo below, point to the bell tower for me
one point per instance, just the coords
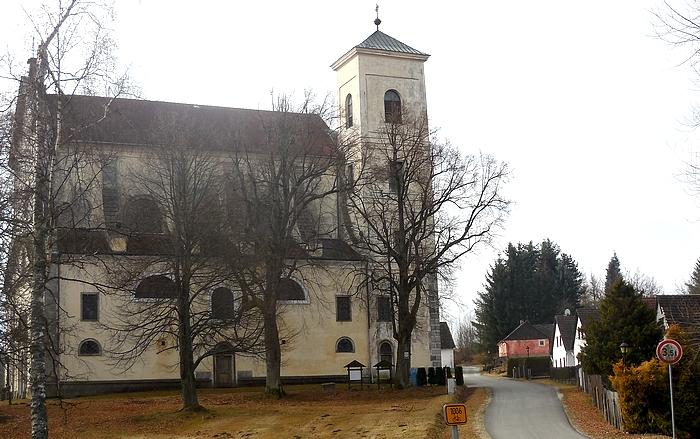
(376, 78)
(380, 81)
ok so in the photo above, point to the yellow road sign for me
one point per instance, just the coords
(455, 414)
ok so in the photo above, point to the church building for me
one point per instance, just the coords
(324, 323)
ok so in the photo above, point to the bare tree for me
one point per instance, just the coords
(38, 151)
(179, 215)
(418, 207)
(281, 183)
(643, 283)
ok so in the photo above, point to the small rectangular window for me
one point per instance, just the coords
(541, 342)
(383, 309)
(89, 307)
(343, 312)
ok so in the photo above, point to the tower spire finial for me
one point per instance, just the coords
(377, 21)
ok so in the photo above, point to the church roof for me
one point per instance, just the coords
(446, 341)
(381, 41)
(123, 121)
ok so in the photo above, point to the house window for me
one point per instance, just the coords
(348, 111)
(290, 290)
(392, 107)
(344, 344)
(395, 175)
(386, 352)
(89, 307)
(383, 309)
(156, 287)
(343, 311)
(222, 304)
(141, 215)
(89, 347)
(541, 342)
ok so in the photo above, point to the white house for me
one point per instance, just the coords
(564, 334)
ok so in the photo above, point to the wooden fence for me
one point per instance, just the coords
(568, 375)
(606, 400)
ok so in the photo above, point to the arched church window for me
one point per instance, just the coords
(89, 347)
(222, 304)
(142, 215)
(348, 111)
(289, 289)
(392, 107)
(156, 287)
(386, 352)
(344, 344)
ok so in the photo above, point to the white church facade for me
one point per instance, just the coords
(324, 323)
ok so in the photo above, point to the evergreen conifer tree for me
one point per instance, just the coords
(623, 318)
(613, 273)
(693, 285)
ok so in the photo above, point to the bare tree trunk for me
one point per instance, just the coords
(187, 380)
(273, 355)
(403, 362)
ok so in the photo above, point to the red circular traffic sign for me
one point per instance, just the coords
(669, 351)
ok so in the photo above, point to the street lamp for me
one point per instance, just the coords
(527, 363)
(625, 349)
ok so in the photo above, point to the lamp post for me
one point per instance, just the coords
(527, 362)
(625, 349)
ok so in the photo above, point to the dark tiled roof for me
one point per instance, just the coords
(354, 363)
(335, 249)
(567, 329)
(547, 329)
(587, 315)
(381, 41)
(650, 302)
(681, 309)
(139, 122)
(527, 331)
(446, 341)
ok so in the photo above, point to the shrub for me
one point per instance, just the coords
(432, 380)
(421, 377)
(459, 375)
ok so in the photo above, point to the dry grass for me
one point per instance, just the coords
(307, 412)
(587, 419)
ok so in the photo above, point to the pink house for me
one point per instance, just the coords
(527, 340)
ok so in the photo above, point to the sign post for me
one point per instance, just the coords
(455, 415)
(670, 352)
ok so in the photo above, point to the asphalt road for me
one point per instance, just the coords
(521, 409)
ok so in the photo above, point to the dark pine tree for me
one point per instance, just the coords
(623, 318)
(693, 286)
(613, 273)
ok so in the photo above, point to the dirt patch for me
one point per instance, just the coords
(307, 412)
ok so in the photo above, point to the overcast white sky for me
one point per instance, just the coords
(586, 106)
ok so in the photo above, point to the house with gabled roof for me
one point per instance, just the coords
(679, 309)
(447, 346)
(564, 336)
(526, 340)
(584, 318)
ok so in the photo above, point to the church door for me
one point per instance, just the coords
(223, 370)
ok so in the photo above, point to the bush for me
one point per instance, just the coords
(432, 380)
(459, 375)
(421, 377)
(644, 395)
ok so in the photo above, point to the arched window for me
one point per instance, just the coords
(222, 304)
(392, 107)
(348, 111)
(142, 215)
(289, 289)
(386, 352)
(156, 287)
(344, 344)
(89, 347)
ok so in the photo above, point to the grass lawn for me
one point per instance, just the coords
(307, 412)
